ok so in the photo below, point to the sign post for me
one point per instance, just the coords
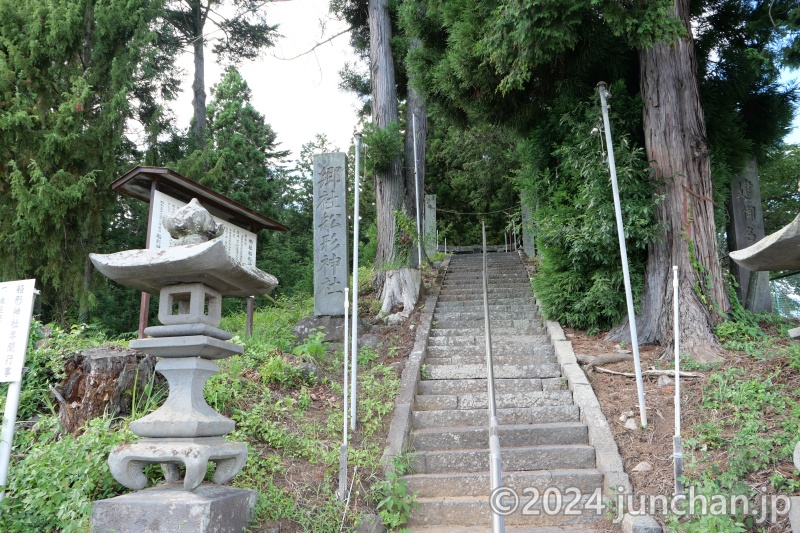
(16, 306)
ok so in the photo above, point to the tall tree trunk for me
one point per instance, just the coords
(389, 186)
(199, 83)
(88, 19)
(415, 106)
(676, 144)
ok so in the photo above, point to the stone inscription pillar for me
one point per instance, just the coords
(745, 228)
(330, 233)
(429, 225)
(527, 227)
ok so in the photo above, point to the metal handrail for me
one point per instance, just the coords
(495, 473)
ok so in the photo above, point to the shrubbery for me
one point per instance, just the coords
(580, 279)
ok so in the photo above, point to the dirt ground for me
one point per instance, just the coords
(648, 453)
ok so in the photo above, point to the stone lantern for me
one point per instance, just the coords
(191, 278)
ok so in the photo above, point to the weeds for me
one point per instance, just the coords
(394, 503)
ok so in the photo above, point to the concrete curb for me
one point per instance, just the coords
(609, 461)
(400, 426)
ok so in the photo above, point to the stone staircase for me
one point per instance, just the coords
(544, 446)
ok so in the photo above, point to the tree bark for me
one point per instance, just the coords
(676, 144)
(199, 83)
(389, 186)
(102, 380)
(86, 56)
(401, 289)
(415, 106)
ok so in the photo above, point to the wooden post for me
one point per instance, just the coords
(144, 306)
(250, 307)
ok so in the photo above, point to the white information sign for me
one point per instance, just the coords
(240, 243)
(16, 306)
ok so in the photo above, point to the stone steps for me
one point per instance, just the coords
(515, 357)
(474, 371)
(479, 340)
(462, 323)
(497, 332)
(503, 400)
(544, 445)
(503, 312)
(518, 435)
(461, 386)
(510, 416)
(537, 353)
(475, 296)
(464, 304)
(472, 511)
(586, 480)
(544, 457)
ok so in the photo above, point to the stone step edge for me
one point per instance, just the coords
(477, 485)
(531, 449)
(501, 427)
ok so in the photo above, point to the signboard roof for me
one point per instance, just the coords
(137, 183)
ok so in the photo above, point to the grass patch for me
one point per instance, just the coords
(286, 400)
(749, 422)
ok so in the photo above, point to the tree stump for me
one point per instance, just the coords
(401, 287)
(101, 380)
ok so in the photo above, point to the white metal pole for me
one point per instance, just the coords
(624, 255)
(677, 333)
(343, 447)
(7, 434)
(677, 445)
(346, 313)
(416, 195)
(356, 224)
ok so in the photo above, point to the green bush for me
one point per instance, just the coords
(53, 486)
(735, 333)
(580, 279)
(384, 145)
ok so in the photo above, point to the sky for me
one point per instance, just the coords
(300, 97)
(794, 135)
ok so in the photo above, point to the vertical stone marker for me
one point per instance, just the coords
(745, 228)
(330, 233)
(429, 225)
(527, 227)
